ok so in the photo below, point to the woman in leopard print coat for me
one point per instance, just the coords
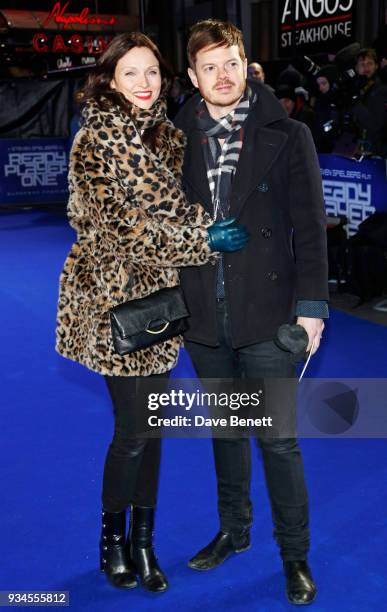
(134, 230)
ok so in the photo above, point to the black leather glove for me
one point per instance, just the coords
(227, 236)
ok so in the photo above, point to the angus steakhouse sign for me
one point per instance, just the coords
(312, 26)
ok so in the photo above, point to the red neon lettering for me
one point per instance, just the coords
(76, 43)
(58, 45)
(57, 14)
(38, 43)
(90, 44)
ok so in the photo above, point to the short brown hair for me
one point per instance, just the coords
(213, 33)
(370, 53)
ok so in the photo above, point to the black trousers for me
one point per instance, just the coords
(282, 461)
(132, 463)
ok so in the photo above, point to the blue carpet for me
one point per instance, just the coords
(56, 425)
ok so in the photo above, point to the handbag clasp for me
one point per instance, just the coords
(158, 331)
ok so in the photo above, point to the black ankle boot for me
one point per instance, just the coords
(300, 587)
(219, 549)
(142, 554)
(113, 559)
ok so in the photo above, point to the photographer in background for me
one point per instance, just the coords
(295, 105)
(327, 113)
(369, 111)
(351, 101)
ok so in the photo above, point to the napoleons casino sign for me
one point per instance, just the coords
(62, 38)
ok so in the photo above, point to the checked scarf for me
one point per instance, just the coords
(221, 161)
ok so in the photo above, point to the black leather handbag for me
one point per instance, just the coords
(140, 323)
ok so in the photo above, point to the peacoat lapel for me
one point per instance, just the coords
(261, 147)
(194, 169)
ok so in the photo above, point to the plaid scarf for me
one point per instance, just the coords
(221, 161)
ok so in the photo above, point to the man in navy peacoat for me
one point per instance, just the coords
(246, 159)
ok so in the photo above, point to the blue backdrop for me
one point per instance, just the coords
(354, 189)
(33, 171)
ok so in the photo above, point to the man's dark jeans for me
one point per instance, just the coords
(282, 461)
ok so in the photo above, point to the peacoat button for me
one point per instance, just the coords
(266, 232)
(273, 275)
(263, 187)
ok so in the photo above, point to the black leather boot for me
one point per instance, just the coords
(217, 551)
(113, 559)
(300, 587)
(140, 545)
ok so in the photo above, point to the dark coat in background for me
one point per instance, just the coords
(277, 195)
(370, 116)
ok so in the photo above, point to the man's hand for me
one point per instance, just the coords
(314, 329)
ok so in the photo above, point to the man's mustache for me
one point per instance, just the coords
(223, 83)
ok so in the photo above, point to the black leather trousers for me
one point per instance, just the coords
(132, 463)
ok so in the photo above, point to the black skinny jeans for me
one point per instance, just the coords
(132, 463)
(282, 461)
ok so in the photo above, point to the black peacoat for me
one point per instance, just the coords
(277, 195)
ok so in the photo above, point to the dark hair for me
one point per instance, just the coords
(330, 72)
(370, 53)
(213, 33)
(97, 86)
(286, 91)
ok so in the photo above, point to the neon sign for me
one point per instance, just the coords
(75, 43)
(57, 14)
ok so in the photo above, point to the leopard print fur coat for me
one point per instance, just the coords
(134, 230)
